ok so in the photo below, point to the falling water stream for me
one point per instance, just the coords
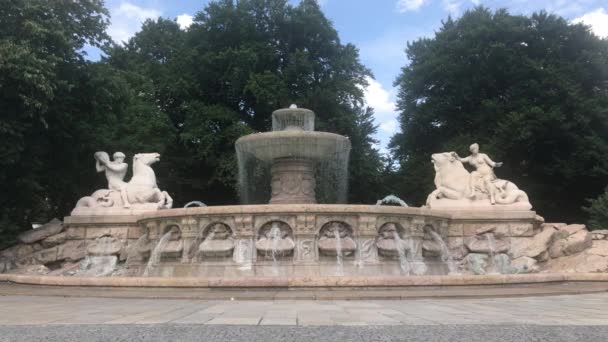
(417, 262)
(242, 255)
(400, 246)
(156, 253)
(446, 255)
(339, 255)
(133, 250)
(210, 236)
(275, 238)
(492, 250)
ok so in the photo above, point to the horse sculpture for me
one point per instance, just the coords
(142, 190)
(453, 182)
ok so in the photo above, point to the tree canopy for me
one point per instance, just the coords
(188, 94)
(223, 77)
(531, 90)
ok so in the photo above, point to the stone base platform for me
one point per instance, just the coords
(307, 288)
(234, 238)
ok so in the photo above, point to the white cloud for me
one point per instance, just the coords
(378, 97)
(409, 5)
(184, 21)
(389, 127)
(126, 19)
(385, 111)
(598, 20)
(451, 6)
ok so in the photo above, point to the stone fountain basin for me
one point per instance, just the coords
(268, 146)
(329, 246)
(388, 247)
(282, 248)
(217, 248)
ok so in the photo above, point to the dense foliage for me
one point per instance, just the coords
(46, 122)
(188, 94)
(532, 91)
(223, 77)
(598, 211)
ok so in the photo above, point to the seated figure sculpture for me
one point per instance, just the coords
(457, 188)
(139, 194)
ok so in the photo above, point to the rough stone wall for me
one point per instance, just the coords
(478, 244)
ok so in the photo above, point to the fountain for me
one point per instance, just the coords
(339, 255)
(275, 237)
(156, 254)
(399, 244)
(492, 253)
(446, 255)
(299, 164)
(293, 221)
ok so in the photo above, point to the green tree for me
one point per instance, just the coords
(598, 212)
(41, 69)
(223, 77)
(532, 91)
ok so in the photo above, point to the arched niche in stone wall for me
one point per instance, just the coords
(170, 243)
(216, 240)
(275, 239)
(336, 236)
(391, 237)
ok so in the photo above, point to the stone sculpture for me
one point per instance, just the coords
(115, 172)
(218, 241)
(275, 239)
(329, 244)
(174, 246)
(141, 193)
(389, 240)
(457, 188)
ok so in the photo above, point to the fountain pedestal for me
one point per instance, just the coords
(293, 181)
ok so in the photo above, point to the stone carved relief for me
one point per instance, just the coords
(334, 235)
(140, 193)
(275, 238)
(305, 224)
(292, 181)
(456, 187)
(243, 254)
(174, 247)
(306, 250)
(367, 253)
(216, 240)
(244, 225)
(367, 224)
(391, 238)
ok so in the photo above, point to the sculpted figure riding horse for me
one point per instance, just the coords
(456, 187)
(141, 192)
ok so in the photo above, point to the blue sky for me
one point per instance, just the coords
(379, 28)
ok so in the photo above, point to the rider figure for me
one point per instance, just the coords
(115, 173)
(484, 169)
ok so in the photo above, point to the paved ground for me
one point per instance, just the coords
(187, 332)
(549, 318)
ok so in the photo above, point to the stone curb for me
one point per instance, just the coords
(304, 282)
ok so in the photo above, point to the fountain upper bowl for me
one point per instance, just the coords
(301, 144)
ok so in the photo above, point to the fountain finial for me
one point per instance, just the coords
(293, 106)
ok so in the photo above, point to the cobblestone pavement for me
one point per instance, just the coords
(572, 310)
(207, 333)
